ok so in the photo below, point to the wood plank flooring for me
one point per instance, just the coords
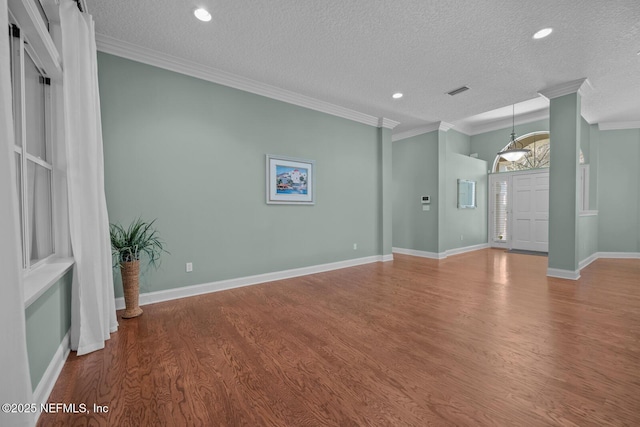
(482, 338)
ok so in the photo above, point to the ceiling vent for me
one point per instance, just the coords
(457, 91)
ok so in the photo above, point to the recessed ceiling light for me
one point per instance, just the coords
(202, 15)
(542, 33)
(397, 95)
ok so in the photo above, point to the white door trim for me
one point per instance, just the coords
(509, 176)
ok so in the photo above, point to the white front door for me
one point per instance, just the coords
(530, 220)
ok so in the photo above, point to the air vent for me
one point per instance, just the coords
(457, 91)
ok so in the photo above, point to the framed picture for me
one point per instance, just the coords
(290, 181)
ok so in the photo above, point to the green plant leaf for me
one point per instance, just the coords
(139, 238)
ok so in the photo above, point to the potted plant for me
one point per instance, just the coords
(127, 245)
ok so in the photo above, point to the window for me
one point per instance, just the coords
(583, 190)
(539, 157)
(34, 168)
(500, 210)
(41, 174)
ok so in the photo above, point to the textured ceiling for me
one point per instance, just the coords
(356, 53)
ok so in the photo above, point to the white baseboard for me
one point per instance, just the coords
(50, 376)
(472, 248)
(588, 260)
(440, 255)
(563, 274)
(422, 254)
(623, 255)
(386, 258)
(608, 255)
(223, 285)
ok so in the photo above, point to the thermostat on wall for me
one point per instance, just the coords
(426, 199)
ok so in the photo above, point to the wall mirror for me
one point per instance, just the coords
(466, 194)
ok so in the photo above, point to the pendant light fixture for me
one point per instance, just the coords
(513, 153)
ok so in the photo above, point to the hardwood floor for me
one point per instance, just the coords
(482, 338)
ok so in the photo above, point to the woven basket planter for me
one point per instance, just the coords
(131, 285)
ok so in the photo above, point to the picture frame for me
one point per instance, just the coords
(290, 180)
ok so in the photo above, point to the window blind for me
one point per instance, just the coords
(500, 211)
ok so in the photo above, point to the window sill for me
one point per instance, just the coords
(588, 213)
(37, 281)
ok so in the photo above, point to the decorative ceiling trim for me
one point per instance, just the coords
(444, 126)
(581, 86)
(137, 53)
(415, 132)
(618, 125)
(387, 123)
(504, 123)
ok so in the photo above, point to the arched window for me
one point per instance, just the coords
(538, 157)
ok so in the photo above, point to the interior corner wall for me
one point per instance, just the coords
(465, 227)
(415, 174)
(588, 225)
(191, 153)
(588, 236)
(618, 196)
(458, 142)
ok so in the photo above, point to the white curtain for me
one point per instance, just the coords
(14, 365)
(93, 313)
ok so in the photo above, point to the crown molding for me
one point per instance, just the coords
(581, 86)
(471, 130)
(465, 129)
(618, 125)
(499, 124)
(415, 132)
(444, 126)
(137, 53)
(383, 122)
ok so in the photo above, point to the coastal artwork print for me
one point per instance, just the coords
(290, 180)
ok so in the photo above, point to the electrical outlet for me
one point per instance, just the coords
(189, 267)
(461, 237)
(355, 246)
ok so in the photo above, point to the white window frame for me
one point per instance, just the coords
(26, 157)
(27, 16)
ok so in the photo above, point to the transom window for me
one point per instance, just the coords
(539, 156)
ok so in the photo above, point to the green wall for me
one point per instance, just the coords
(191, 153)
(385, 185)
(458, 142)
(415, 174)
(587, 236)
(48, 320)
(618, 199)
(465, 227)
(430, 164)
(565, 131)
